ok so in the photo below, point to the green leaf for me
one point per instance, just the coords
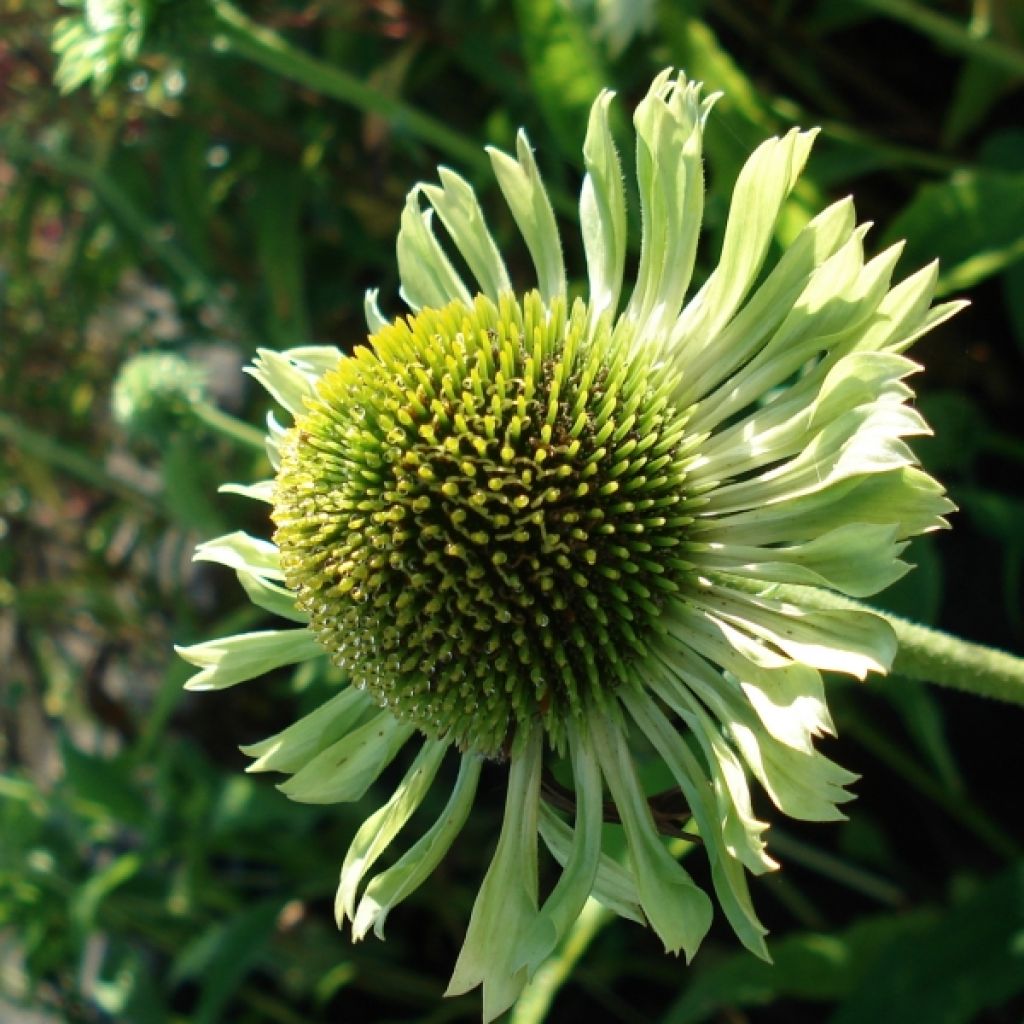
(973, 222)
(970, 960)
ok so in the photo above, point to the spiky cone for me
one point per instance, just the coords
(546, 531)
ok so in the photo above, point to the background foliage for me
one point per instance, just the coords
(200, 196)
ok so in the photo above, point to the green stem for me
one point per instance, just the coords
(950, 33)
(931, 655)
(239, 34)
(229, 426)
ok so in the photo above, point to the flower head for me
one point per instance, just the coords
(545, 530)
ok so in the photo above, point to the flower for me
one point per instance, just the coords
(547, 531)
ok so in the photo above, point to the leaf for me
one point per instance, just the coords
(973, 222)
(971, 960)
(812, 966)
(223, 955)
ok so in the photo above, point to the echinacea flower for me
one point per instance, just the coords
(545, 530)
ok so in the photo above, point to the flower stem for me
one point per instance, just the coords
(238, 34)
(931, 655)
(228, 426)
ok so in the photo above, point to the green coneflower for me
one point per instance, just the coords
(540, 530)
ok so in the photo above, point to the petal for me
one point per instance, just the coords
(293, 748)
(858, 559)
(576, 883)
(236, 659)
(763, 185)
(603, 211)
(427, 275)
(287, 383)
(271, 597)
(346, 769)
(670, 176)
(613, 886)
(842, 641)
(521, 184)
(375, 834)
(506, 904)
(409, 872)
(727, 874)
(244, 552)
(375, 319)
(457, 206)
(679, 912)
(710, 360)
(262, 490)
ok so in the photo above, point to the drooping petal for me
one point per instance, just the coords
(679, 912)
(237, 659)
(506, 905)
(411, 870)
(576, 883)
(293, 748)
(527, 198)
(375, 834)
(727, 872)
(346, 769)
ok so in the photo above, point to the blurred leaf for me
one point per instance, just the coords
(565, 69)
(960, 429)
(86, 902)
(970, 960)
(104, 785)
(222, 957)
(810, 966)
(974, 224)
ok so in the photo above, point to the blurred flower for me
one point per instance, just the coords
(154, 393)
(106, 35)
(616, 22)
(546, 531)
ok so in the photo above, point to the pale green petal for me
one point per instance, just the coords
(742, 832)
(576, 883)
(377, 832)
(789, 697)
(293, 748)
(804, 785)
(524, 192)
(506, 904)
(287, 383)
(262, 490)
(315, 360)
(375, 319)
(236, 659)
(678, 911)
(847, 641)
(907, 497)
(427, 275)
(240, 550)
(346, 769)
(763, 185)
(901, 312)
(937, 315)
(709, 361)
(784, 426)
(410, 871)
(727, 873)
(834, 307)
(670, 176)
(603, 211)
(456, 204)
(861, 441)
(275, 434)
(614, 887)
(271, 597)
